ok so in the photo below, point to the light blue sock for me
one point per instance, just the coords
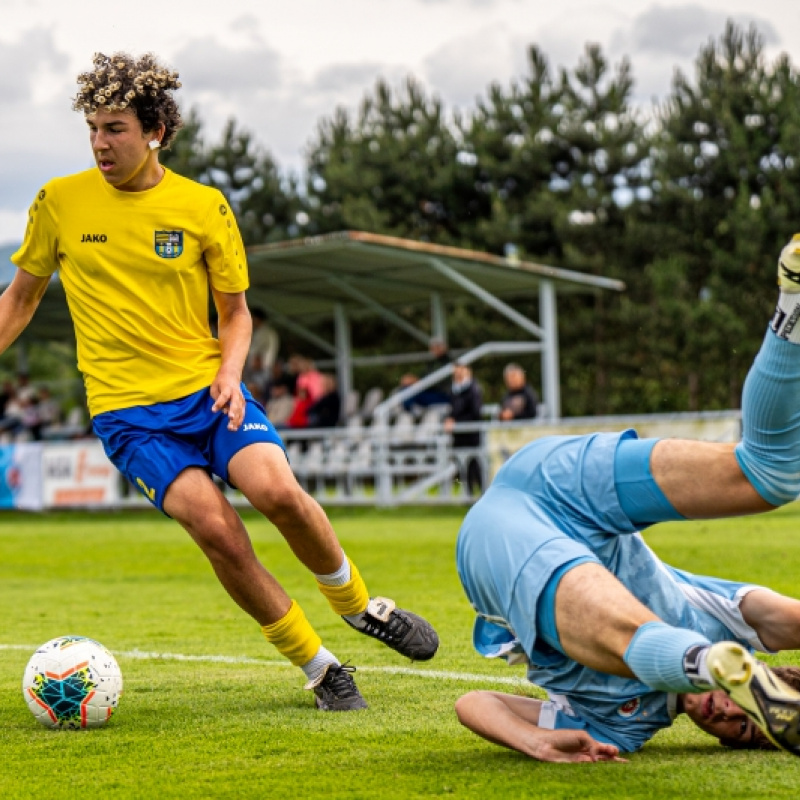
(656, 654)
(769, 453)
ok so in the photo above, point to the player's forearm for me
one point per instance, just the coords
(235, 331)
(17, 306)
(490, 717)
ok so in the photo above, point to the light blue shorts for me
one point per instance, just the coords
(152, 445)
(553, 506)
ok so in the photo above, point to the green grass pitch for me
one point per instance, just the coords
(198, 727)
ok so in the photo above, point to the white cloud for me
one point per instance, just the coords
(680, 31)
(462, 69)
(12, 226)
(25, 64)
(279, 69)
(209, 66)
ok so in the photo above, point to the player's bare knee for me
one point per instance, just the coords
(775, 475)
(283, 501)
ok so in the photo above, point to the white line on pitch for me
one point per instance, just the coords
(421, 673)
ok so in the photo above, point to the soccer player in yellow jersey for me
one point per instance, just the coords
(137, 248)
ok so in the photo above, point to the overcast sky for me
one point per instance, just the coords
(279, 66)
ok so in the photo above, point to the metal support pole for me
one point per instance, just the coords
(551, 381)
(22, 357)
(487, 297)
(438, 318)
(344, 365)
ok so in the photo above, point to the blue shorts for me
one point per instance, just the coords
(152, 445)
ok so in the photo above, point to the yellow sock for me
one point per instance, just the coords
(352, 598)
(293, 636)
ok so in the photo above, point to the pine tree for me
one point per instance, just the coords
(392, 169)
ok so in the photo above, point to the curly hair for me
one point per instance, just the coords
(790, 676)
(144, 86)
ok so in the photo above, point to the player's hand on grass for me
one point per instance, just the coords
(226, 392)
(574, 746)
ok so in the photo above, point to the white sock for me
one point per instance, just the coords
(786, 317)
(338, 578)
(314, 668)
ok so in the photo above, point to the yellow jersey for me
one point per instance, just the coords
(136, 268)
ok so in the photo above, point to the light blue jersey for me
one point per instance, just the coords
(553, 502)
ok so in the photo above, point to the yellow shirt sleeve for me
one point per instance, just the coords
(223, 250)
(38, 254)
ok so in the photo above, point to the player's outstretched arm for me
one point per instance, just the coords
(18, 304)
(512, 722)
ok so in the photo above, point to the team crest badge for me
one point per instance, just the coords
(169, 244)
(629, 708)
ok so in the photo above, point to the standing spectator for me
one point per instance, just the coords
(520, 401)
(11, 418)
(324, 413)
(263, 349)
(466, 399)
(6, 393)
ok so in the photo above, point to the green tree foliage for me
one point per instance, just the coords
(520, 161)
(560, 159)
(726, 193)
(186, 155)
(266, 203)
(394, 168)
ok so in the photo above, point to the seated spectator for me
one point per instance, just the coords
(435, 395)
(466, 399)
(309, 378)
(520, 401)
(280, 404)
(280, 375)
(324, 413)
(299, 416)
(49, 408)
(31, 420)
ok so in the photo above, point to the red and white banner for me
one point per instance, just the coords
(78, 474)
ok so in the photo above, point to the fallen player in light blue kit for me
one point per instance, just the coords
(553, 563)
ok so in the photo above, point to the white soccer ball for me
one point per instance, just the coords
(71, 683)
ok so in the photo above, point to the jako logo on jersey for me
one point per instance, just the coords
(169, 244)
(630, 707)
(94, 237)
(254, 426)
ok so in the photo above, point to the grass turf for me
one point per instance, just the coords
(239, 730)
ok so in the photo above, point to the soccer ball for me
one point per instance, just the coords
(72, 682)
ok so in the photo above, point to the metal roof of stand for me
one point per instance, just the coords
(344, 276)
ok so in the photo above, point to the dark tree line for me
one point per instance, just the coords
(689, 205)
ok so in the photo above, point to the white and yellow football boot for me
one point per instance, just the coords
(787, 313)
(766, 699)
